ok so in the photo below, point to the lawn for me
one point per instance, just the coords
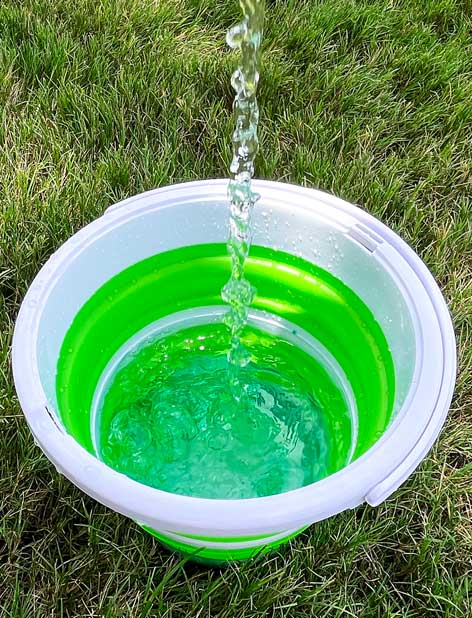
(371, 100)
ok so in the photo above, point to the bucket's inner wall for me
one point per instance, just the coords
(193, 276)
(305, 225)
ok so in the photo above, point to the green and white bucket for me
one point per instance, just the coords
(380, 326)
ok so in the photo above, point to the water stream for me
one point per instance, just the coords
(238, 292)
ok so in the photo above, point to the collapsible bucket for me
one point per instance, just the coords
(379, 325)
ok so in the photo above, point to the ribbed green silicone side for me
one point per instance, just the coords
(216, 556)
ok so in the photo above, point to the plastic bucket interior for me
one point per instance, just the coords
(381, 326)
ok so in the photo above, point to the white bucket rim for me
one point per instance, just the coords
(371, 478)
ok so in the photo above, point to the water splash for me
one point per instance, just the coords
(238, 292)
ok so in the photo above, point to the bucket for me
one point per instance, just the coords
(380, 327)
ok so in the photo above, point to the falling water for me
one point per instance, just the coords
(238, 292)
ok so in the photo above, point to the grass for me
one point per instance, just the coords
(100, 99)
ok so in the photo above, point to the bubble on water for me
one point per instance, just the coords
(176, 419)
(129, 432)
(217, 438)
(107, 452)
(160, 476)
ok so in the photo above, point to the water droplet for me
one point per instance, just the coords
(46, 425)
(235, 35)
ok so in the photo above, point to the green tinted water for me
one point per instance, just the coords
(170, 420)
